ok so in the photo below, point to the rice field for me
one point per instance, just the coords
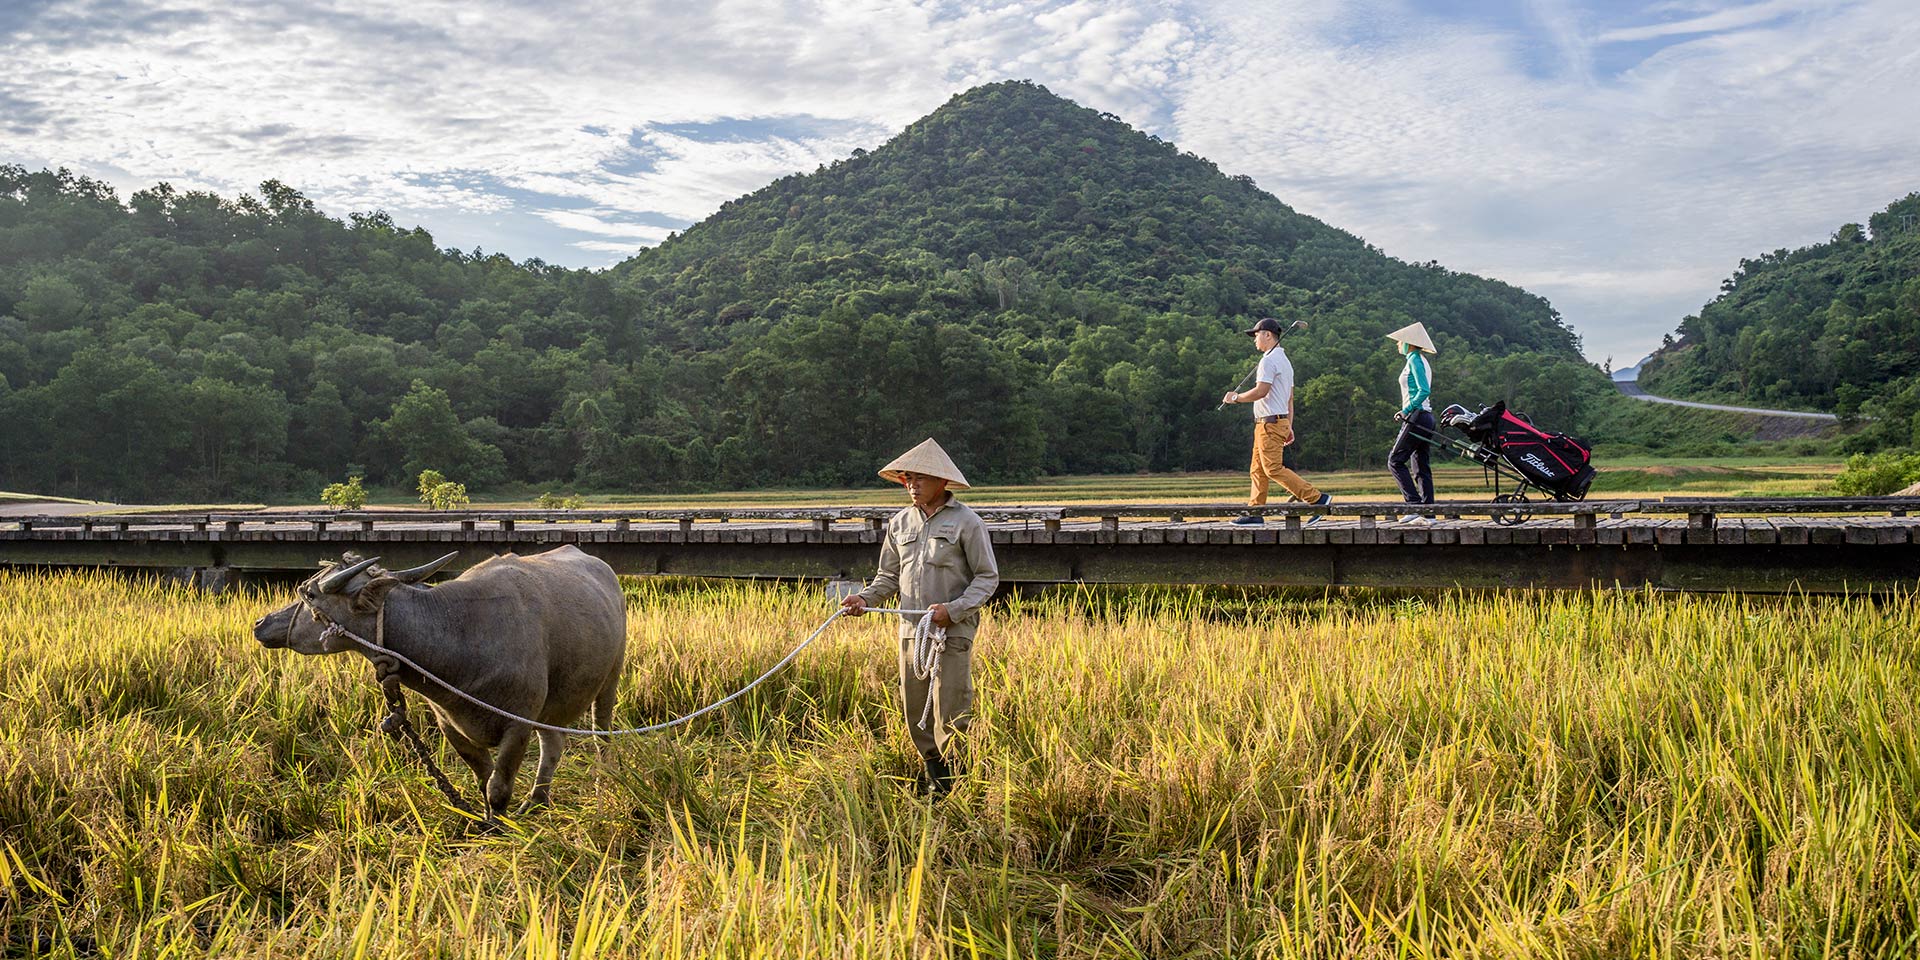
(1152, 773)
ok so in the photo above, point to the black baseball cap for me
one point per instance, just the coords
(1268, 324)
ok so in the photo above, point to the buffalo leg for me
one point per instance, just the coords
(552, 745)
(478, 758)
(603, 713)
(506, 767)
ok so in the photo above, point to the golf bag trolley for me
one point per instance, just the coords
(1518, 457)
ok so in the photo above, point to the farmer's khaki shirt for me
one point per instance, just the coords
(946, 558)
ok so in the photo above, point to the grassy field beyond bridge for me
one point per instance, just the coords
(1162, 773)
(1453, 480)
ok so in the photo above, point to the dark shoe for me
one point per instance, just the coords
(1325, 498)
(939, 776)
(1249, 520)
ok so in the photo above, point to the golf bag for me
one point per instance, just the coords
(1553, 463)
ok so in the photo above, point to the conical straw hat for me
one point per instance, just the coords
(929, 459)
(1416, 334)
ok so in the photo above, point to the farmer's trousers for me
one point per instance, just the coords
(1412, 444)
(1269, 440)
(952, 703)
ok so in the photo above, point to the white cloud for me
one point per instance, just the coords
(470, 105)
(1733, 18)
(624, 235)
(623, 249)
(1440, 142)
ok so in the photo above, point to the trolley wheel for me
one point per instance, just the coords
(1515, 517)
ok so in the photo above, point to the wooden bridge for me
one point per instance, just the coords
(1768, 545)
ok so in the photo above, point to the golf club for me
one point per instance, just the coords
(1296, 325)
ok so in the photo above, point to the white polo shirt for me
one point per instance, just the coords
(1277, 370)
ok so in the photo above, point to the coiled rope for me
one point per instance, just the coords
(929, 648)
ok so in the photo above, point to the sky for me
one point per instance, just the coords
(1617, 158)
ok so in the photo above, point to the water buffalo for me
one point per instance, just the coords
(543, 637)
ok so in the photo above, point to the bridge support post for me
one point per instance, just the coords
(214, 580)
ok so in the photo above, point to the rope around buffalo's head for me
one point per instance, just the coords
(929, 643)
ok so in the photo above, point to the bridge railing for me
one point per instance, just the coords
(1700, 511)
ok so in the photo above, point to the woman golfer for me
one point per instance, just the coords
(1416, 419)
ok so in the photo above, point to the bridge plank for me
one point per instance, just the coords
(1888, 531)
(1826, 531)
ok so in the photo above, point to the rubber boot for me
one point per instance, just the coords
(939, 776)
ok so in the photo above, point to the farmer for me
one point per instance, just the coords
(936, 556)
(1416, 419)
(1272, 399)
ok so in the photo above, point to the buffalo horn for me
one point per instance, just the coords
(338, 580)
(425, 570)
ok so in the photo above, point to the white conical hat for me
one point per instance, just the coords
(929, 459)
(1416, 334)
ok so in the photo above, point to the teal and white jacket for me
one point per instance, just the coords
(1416, 384)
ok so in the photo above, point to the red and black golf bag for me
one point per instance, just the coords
(1555, 463)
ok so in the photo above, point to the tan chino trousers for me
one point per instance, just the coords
(1269, 440)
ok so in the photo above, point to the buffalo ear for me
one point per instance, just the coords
(370, 597)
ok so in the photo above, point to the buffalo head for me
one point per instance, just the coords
(348, 593)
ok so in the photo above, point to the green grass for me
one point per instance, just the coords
(1643, 477)
(1162, 773)
(1633, 477)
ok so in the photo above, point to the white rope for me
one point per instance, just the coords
(925, 628)
(929, 648)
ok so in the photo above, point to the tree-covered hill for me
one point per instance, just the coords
(1040, 286)
(1833, 326)
(1024, 190)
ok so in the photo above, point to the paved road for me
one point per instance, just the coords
(1632, 389)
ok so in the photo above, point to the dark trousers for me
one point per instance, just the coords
(1412, 443)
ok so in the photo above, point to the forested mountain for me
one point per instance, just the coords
(1834, 326)
(1038, 285)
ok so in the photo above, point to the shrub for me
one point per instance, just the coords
(552, 501)
(1879, 474)
(439, 493)
(351, 495)
(428, 480)
(448, 496)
